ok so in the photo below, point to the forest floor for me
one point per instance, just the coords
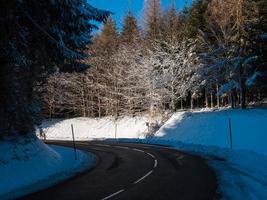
(28, 165)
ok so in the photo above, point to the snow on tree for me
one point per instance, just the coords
(36, 38)
(172, 67)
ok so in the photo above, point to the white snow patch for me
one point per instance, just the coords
(88, 128)
(249, 128)
(28, 165)
(241, 172)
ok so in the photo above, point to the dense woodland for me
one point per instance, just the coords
(210, 54)
(38, 38)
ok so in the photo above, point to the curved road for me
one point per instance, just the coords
(136, 171)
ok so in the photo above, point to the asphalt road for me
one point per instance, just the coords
(136, 171)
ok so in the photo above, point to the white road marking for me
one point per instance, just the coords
(142, 178)
(150, 155)
(180, 157)
(138, 150)
(155, 163)
(121, 147)
(102, 145)
(112, 195)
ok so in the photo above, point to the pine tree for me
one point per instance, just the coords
(152, 16)
(130, 32)
(196, 18)
(231, 40)
(107, 41)
(36, 38)
(169, 24)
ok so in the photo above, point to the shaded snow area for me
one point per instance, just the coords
(28, 165)
(103, 128)
(241, 172)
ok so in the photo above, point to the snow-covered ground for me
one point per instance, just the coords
(249, 129)
(87, 128)
(27, 165)
(242, 171)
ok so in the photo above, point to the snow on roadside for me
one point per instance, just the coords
(88, 128)
(249, 129)
(28, 165)
(241, 172)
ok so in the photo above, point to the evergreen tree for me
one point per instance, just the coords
(36, 38)
(169, 24)
(130, 32)
(107, 41)
(196, 18)
(152, 15)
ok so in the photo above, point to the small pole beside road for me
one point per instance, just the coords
(230, 131)
(116, 126)
(74, 145)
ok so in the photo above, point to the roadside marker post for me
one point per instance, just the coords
(230, 132)
(74, 145)
(116, 127)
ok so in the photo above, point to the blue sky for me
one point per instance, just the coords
(120, 7)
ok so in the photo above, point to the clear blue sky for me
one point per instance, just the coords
(120, 7)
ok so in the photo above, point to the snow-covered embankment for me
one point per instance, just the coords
(28, 165)
(241, 172)
(88, 128)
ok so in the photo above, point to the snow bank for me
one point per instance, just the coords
(249, 128)
(241, 172)
(28, 165)
(87, 128)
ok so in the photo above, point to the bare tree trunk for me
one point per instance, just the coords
(206, 99)
(211, 100)
(217, 95)
(192, 102)
(242, 93)
(83, 104)
(99, 108)
(232, 99)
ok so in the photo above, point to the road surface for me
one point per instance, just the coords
(136, 171)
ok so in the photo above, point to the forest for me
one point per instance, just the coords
(211, 54)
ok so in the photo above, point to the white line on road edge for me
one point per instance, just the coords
(138, 150)
(102, 145)
(150, 172)
(150, 155)
(121, 147)
(155, 163)
(112, 195)
(142, 178)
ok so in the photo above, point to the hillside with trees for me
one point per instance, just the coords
(211, 54)
(34, 46)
